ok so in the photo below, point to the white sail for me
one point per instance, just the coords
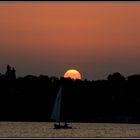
(57, 106)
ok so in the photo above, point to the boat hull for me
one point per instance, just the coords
(57, 126)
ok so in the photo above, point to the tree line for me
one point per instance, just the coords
(31, 98)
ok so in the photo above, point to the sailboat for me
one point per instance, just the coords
(56, 113)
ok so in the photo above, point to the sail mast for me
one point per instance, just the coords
(57, 106)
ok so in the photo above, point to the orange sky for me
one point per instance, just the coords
(97, 38)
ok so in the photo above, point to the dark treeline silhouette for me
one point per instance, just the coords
(31, 98)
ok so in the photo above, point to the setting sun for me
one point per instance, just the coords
(73, 74)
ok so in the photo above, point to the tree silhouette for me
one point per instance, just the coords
(10, 73)
(31, 98)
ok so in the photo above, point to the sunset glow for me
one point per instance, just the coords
(47, 37)
(73, 74)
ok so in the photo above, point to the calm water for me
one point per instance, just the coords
(43, 129)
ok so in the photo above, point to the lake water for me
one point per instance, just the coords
(84, 130)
